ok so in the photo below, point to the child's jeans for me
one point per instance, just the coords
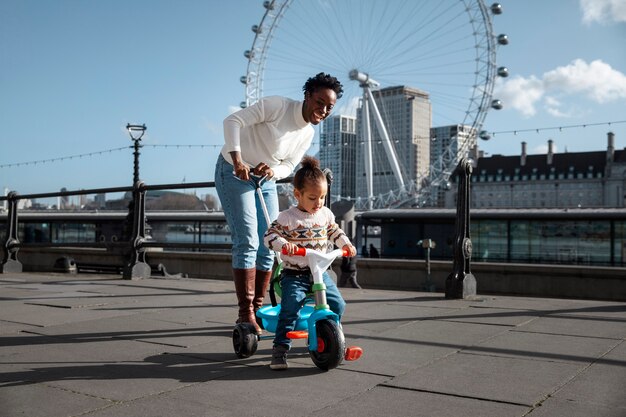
(294, 286)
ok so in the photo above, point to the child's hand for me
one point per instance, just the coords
(290, 248)
(350, 249)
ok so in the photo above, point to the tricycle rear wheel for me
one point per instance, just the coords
(331, 345)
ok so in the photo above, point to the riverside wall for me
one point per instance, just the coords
(529, 280)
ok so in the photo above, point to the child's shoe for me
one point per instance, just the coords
(279, 358)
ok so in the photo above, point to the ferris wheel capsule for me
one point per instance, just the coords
(496, 8)
(496, 105)
(484, 135)
(503, 39)
(503, 72)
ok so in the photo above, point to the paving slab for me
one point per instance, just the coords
(607, 376)
(489, 315)
(511, 380)
(553, 407)
(544, 346)
(154, 375)
(45, 316)
(403, 403)
(417, 344)
(381, 316)
(41, 400)
(575, 325)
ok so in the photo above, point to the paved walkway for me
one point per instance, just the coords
(95, 345)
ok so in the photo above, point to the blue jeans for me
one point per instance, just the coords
(245, 217)
(294, 286)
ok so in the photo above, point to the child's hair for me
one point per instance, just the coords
(309, 172)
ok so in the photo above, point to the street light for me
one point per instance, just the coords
(136, 132)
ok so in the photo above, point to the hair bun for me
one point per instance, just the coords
(310, 162)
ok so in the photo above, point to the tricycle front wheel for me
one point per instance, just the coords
(331, 345)
(245, 340)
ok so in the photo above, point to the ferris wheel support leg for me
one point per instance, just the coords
(367, 133)
(391, 154)
(461, 284)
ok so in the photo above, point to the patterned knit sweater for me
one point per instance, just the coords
(313, 231)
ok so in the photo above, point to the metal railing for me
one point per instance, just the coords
(135, 245)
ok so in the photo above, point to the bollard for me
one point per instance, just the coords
(461, 283)
(428, 244)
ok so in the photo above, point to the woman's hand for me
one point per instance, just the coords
(262, 169)
(241, 170)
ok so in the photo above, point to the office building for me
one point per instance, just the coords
(552, 180)
(406, 113)
(338, 147)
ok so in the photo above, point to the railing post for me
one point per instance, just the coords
(11, 245)
(461, 283)
(137, 267)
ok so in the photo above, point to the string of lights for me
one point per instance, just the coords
(63, 158)
(90, 154)
(559, 128)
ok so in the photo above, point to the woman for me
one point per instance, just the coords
(268, 138)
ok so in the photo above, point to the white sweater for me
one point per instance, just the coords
(272, 131)
(313, 231)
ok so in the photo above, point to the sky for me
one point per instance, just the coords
(74, 73)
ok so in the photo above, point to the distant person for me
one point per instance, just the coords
(374, 252)
(269, 139)
(364, 253)
(309, 225)
(348, 272)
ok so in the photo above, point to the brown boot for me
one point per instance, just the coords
(244, 288)
(262, 282)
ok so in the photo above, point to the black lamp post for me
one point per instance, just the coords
(137, 266)
(136, 132)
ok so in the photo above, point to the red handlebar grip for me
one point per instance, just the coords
(300, 251)
(345, 253)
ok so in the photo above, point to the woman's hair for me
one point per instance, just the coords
(323, 80)
(309, 172)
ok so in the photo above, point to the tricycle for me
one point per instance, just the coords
(327, 344)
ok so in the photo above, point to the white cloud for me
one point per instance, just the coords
(603, 11)
(597, 81)
(553, 107)
(520, 93)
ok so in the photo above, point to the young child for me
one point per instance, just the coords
(310, 225)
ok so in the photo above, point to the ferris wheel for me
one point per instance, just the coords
(445, 48)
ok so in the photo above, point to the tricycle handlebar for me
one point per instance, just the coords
(300, 251)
